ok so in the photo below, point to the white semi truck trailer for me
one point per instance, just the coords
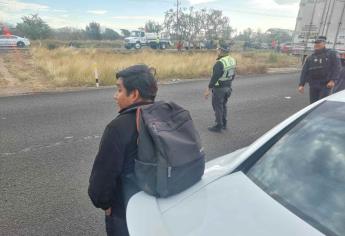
(320, 18)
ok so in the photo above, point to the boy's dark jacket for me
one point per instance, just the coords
(115, 158)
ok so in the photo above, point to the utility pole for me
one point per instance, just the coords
(177, 19)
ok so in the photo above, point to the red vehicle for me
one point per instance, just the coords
(286, 47)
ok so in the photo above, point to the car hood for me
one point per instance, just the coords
(27, 41)
(219, 204)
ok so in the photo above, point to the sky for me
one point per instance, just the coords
(132, 14)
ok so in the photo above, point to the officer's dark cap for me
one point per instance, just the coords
(224, 48)
(321, 39)
(140, 77)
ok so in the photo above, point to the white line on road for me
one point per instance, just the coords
(67, 140)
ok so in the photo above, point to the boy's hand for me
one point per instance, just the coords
(301, 89)
(207, 93)
(108, 212)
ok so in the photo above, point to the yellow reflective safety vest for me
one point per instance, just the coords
(229, 66)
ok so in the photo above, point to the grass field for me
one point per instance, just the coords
(76, 67)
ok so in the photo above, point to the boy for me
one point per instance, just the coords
(114, 162)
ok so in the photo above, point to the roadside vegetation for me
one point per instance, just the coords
(68, 57)
(65, 66)
(3, 82)
(55, 43)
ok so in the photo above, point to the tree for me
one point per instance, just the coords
(197, 25)
(34, 27)
(257, 37)
(125, 33)
(110, 34)
(281, 35)
(93, 31)
(216, 25)
(170, 24)
(69, 33)
(227, 32)
(153, 27)
(246, 35)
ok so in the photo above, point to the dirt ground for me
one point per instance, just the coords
(10, 84)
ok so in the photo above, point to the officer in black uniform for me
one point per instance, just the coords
(320, 71)
(220, 85)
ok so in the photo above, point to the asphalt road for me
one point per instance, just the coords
(49, 141)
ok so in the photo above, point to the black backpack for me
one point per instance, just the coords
(170, 156)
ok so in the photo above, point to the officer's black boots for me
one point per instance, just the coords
(224, 124)
(216, 128)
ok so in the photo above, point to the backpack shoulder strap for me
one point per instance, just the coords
(137, 121)
(137, 118)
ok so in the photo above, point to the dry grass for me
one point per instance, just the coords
(258, 63)
(25, 71)
(3, 82)
(75, 67)
(53, 44)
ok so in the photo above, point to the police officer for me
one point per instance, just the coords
(158, 45)
(320, 71)
(220, 85)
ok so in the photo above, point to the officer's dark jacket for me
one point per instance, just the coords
(115, 159)
(340, 82)
(331, 68)
(218, 70)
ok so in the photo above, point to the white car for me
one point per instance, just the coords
(290, 182)
(13, 40)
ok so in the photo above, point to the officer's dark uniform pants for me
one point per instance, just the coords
(318, 92)
(219, 99)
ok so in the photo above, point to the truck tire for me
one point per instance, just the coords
(137, 45)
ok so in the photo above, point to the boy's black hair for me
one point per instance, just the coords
(139, 77)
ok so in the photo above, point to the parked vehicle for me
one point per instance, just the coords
(139, 39)
(13, 40)
(194, 45)
(320, 18)
(264, 46)
(255, 45)
(286, 47)
(288, 182)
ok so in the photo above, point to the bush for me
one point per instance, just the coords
(272, 58)
(51, 46)
(249, 55)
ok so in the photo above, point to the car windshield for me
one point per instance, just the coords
(305, 168)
